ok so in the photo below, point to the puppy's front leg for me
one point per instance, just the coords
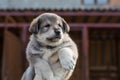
(66, 57)
(43, 69)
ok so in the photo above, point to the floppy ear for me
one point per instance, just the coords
(66, 27)
(34, 26)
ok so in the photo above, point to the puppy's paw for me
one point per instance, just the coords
(48, 76)
(68, 63)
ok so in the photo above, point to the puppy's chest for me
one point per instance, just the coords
(53, 58)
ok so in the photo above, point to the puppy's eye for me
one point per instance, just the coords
(48, 25)
(59, 25)
(46, 28)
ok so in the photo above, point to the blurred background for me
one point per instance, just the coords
(95, 27)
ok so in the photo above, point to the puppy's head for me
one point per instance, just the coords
(49, 28)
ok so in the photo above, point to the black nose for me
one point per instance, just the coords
(57, 31)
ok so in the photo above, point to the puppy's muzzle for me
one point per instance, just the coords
(57, 32)
(56, 37)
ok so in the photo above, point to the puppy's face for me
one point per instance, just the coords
(49, 28)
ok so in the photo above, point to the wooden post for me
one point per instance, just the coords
(85, 65)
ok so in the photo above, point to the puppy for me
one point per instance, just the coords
(51, 53)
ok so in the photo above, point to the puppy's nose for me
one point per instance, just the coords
(57, 31)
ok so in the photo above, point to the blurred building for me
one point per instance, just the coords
(95, 27)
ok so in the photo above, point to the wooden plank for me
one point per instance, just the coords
(12, 57)
(92, 19)
(63, 13)
(114, 19)
(118, 56)
(80, 19)
(103, 19)
(76, 26)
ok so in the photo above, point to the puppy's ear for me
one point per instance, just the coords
(34, 26)
(66, 27)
